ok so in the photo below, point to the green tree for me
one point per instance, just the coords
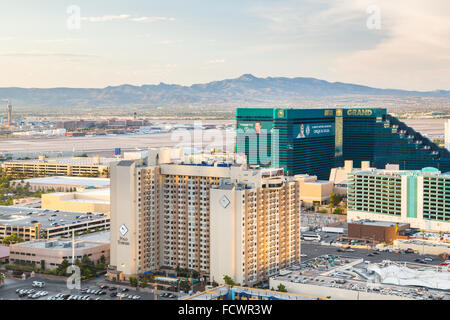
(335, 199)
(281, 288)
(144, 283)
(338, 210)
(14, 238)
(43, 264)
(2, 278)
(228, 281)
(184, 285)
(62, 268)
(133, 282)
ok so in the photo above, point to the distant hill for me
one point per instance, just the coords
(244, 90)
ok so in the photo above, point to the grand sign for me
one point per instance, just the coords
(360, 112)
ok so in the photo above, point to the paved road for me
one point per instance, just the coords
(314, 249)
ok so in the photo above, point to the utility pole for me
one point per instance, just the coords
(73, 247)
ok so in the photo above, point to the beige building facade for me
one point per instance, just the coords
(314, 192)
(169, 210)
(84, 201)
(84, 167)
(48, 254)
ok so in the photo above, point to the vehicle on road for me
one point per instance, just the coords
(311, 237)
(38, 284)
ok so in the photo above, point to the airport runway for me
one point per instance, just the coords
(104, 145)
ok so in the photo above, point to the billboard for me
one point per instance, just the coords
(255, 125)
(117, 151)
(313, 130)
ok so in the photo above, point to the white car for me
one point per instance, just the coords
(38, 284)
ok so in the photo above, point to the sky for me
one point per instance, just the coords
(402, 44)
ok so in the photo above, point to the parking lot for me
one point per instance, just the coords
(58, 287)
(314, 249)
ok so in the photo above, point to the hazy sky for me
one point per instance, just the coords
(192, 41)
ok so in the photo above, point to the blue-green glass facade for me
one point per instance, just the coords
(313, 141)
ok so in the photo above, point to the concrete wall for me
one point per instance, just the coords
(124, 247)
(64, 202)
(54, 257)
(428, 225)
(222, 236)
(425, 249)
(333, 293)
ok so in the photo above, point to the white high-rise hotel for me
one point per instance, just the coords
(213, 215)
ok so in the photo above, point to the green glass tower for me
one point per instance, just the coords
(312, 141)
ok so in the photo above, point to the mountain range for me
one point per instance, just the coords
(245, 90)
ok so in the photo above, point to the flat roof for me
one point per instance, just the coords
(378, 223)
(356, 274)
(104, 236)
(19, 216)
(216, 292)
(58, 244)
(76, 181)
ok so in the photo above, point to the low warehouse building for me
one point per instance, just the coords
(381, 231)
(96, 200)
(48, 254)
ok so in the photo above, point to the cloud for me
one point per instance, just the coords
(126, 17)
(414, 55)
(215, 61)
(31, 54)
(7, 38)
(152, 19)
(57, 40)
(410, 51)
(169, 42)
(106, 18)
